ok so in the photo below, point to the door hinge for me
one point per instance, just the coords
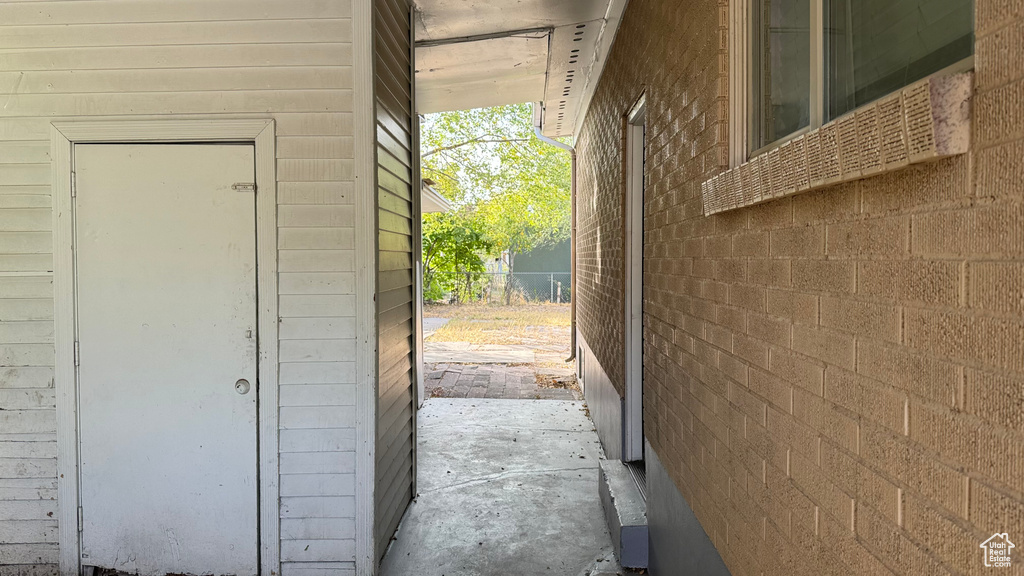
(74, 185)
(81, 519)
(244, 187)
(77, 355)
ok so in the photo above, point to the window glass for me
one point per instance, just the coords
(875, 47)
(781, 75)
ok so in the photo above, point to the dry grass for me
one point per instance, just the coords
(543, 324)
(566, 382)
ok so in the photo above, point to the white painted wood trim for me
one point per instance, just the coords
(63, 136)
(267, 332)
(64, 372)
(633, 411)
(739, 81)
(609, 30)
(364, 120)
(163, 130)
(817, 64)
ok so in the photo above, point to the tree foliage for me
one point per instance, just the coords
(452, 246)
(510, 191)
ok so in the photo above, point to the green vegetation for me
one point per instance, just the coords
(510, 192)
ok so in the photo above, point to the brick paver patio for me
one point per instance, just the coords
(499, 381)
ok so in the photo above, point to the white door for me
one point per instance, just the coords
(166, 308)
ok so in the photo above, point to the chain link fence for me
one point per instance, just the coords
(498, 287)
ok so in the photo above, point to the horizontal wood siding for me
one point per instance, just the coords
(395, 282)
(290, 60)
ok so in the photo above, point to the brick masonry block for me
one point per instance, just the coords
(999, 170)
(990, 231)
(830, 204)
(775, 331)
(819, 486)
(834, 276)
(731, 270)
(733, 367)
(860, 317)
(997, 56)
(775, 273)
(746, 296)
(830, 346)
(959, 440)
(872, 400)
(995, 342)
(919, 374)
(947, 538)
(788, 433)
(774, 389)
(794, 306)
(991, 14)
(999, 114)
(995, 398)
(995, 510)
(797, 370)
(823, 416)
(930, 282)
(775, 214)
(918, 268)
(718, 246)
(753, 244)
(715, 291)
(917, 188)
(804, 241)
(720, 336)
(750, 349)
(996, 287)
(888, 237)
(731, 317)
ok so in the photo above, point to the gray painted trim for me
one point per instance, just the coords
(603, 400)
(678, 546)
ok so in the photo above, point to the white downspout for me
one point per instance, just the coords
(538, 116)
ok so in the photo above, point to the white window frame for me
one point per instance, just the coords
(741, 39)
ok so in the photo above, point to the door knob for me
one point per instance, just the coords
(242, 386)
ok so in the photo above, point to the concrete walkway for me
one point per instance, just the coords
(506, 488)
(431, 325)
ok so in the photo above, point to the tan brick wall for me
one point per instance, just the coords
(834, 380)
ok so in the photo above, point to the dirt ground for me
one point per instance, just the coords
(541, 325)
(543, 328)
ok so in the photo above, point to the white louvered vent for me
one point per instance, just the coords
(925, 121)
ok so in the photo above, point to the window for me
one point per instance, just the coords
(781, 78)
(811, 61)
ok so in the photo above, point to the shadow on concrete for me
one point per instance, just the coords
(506, 488)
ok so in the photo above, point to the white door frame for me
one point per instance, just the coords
(633, 412)
(64, 135)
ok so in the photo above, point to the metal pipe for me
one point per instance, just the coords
(525, 32)
(538, 116)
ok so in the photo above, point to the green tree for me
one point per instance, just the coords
(451, 255)
(504, 183)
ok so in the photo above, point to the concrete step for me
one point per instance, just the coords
(625, 512)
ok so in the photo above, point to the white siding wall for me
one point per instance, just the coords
(283, 59)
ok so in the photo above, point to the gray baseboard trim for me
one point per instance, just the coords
(603, 400)
(678, 544)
